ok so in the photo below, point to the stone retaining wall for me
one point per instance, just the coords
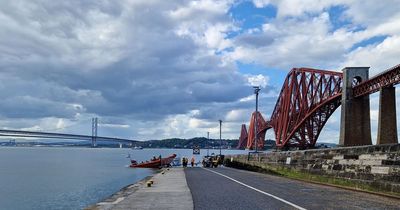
(377, 165)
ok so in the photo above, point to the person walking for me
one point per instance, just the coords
(184, 162)
(192, 161)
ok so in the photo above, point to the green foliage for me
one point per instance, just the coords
(188, 143)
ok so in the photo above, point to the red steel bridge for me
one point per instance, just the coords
(310, 96)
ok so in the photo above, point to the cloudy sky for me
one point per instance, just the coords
(157, 69)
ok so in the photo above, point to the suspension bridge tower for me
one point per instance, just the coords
(94, 131)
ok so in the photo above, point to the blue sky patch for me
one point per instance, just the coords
(248, 16)
(371, 41)
(337, 18)
(277, 75)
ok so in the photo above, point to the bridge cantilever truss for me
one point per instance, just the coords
(307, 100)
(261, 124)
(309, 97)
(387, 78)
(243, 138)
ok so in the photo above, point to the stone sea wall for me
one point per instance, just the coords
(377, 166)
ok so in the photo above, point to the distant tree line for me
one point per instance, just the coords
(188, 143)
(201, 142)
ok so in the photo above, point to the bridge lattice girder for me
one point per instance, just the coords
(387, 78)
(307, 99)
(243, 138)
(261, 124)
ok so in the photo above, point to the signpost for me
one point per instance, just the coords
(196, 150)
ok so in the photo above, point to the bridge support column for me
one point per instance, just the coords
(387, 126)
(94, 131)
(355, 126)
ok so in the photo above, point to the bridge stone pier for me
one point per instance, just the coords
(355, 126)
(387, 126)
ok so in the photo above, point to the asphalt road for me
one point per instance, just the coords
(227, 188)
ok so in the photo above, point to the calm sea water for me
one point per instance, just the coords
(71, 178)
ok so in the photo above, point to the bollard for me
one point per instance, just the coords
(151, 181)
(148, 184)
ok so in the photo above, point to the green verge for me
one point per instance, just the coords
(372, 187)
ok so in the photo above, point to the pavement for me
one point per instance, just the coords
(169, 191)
(227, 188)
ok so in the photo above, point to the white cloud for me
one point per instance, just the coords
(60, 124)
(258, 80)
(296, 43)
(215, 37)
(205, 22)
(114, 125)
(372, 13)
(261, 3)
(142, 62)
(303, 34)
(155, 69)
(248, 98)
(238, 115)
(378, 56)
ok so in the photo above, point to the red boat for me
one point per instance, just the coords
(157, 163)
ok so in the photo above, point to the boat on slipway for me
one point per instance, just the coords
(154, 163)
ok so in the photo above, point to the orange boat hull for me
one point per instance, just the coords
(154, 163)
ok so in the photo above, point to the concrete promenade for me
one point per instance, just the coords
(169, 191)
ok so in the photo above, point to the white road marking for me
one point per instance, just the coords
(113, 203)
(260, 191)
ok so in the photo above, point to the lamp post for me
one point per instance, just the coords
(220, 139)
(256, 90)
(208, 139)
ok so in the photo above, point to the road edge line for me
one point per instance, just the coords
(258, 190)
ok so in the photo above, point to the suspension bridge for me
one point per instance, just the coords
(54, 135)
